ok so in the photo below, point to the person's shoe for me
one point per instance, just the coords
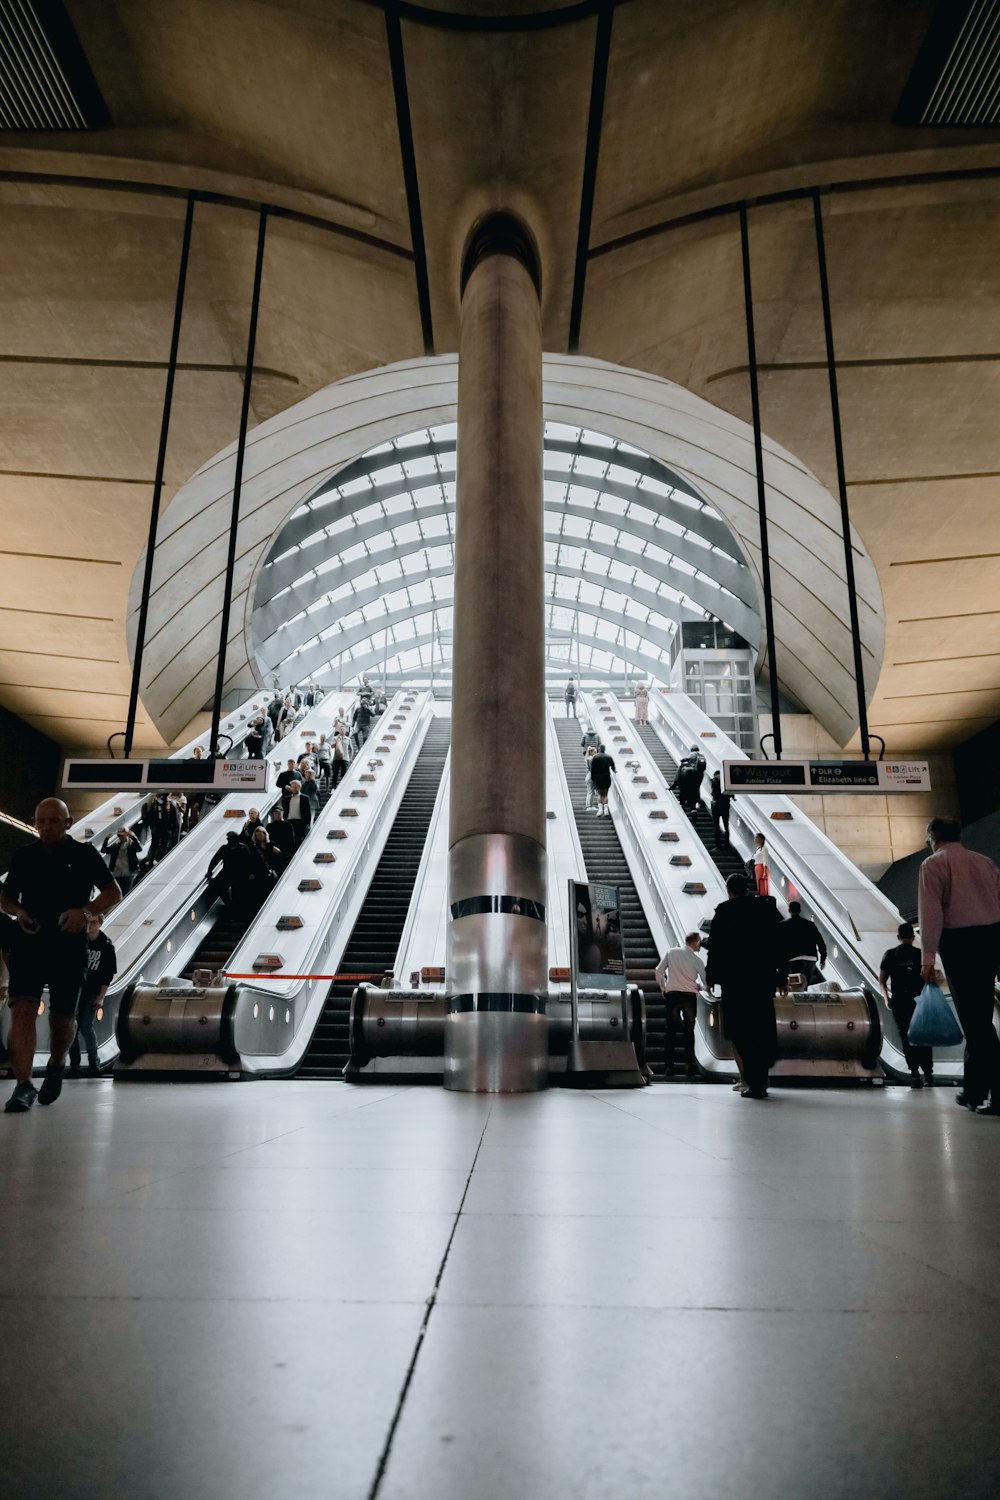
(51, 1086)
(21, 1099)
(928, 1080)
(967, 1103)
(738, 1086)
(915, 1082)
(93, 1068)
(989, 1109)
(753, 1093)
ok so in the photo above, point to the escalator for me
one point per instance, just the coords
(605, 861)
(230, 927)
(726, 861)
(374, 943)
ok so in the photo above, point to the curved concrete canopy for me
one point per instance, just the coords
(294, 455)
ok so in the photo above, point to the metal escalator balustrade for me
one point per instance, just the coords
(296, 944)
(820, 1035)
(230, 925)
(168, 924)
(604, 860)
(858, 923)
(374, 941)
(726, 860)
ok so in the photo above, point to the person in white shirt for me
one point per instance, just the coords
(680, 975)
(761, 868)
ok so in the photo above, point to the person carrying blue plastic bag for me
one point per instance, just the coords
(959, 904)
(933, 1023)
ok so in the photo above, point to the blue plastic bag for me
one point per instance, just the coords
(933, 1023)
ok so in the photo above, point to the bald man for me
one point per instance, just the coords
(49, 891)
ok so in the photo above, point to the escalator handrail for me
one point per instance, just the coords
(357, 860)
(417, 911)
(823, 901)
(628, 804)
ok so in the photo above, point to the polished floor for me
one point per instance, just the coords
(304, 1289)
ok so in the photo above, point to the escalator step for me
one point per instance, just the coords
(374, 941)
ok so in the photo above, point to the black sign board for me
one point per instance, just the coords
(796, 776)
(831, 775)
(766, 775)
(177, 775)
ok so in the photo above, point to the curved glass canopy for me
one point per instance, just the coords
(360, 577)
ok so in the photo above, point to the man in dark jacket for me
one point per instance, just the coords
(698, 765)
(720, 811)
(281, 834)
(297, 809)
(744, 959)
(122, 850)
(290, 773)
(802, 947)
(225, 868)
(161, 818)
(361, 722)
(254, 740)
(686, 784)
(900, 982)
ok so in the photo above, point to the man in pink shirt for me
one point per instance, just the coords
(959, 903)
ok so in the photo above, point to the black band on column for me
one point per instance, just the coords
(501, 234)
(497, 1000)
(512, 906)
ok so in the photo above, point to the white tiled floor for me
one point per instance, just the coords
(215, 1291)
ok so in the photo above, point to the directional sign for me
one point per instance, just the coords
(765, 775)
(844, 775)
(166, 775)
(758, 777)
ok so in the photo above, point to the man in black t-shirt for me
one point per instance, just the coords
(48, 892)
(900, 982)
(100, 968)
(602, 767)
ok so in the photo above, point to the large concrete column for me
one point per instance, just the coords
(496, 1034)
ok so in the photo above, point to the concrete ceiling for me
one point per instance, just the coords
(292, 103)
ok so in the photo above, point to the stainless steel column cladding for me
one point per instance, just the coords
(497, 969)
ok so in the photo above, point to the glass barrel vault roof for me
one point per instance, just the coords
(360, 577)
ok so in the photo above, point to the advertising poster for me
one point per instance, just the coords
(597, 937)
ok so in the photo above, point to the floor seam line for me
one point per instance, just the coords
(657, 1130)
(383, 1463)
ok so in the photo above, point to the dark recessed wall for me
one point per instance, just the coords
(977, 774)
(29, 766)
